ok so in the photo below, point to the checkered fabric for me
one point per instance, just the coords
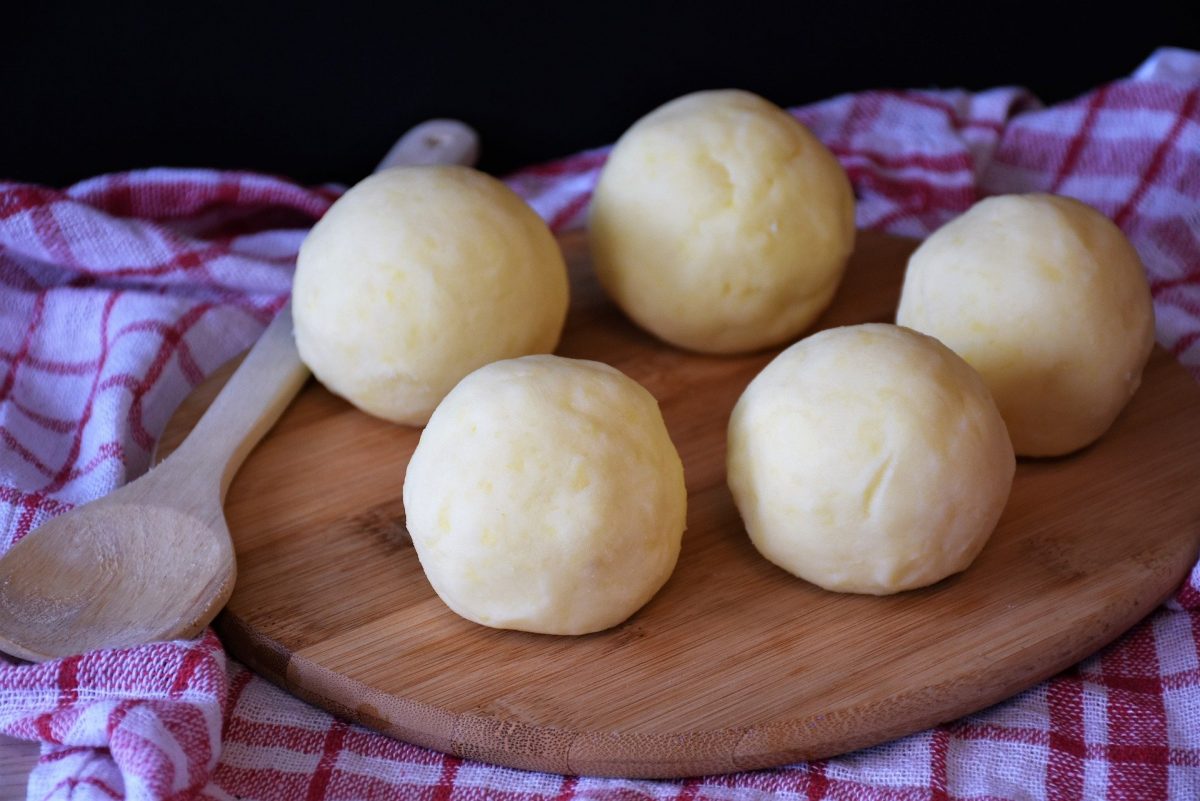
(119, 294)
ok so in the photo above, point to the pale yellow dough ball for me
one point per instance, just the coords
(1047, 299)
(720, 224)
(546, 496)
(417, 276)
(869, 459)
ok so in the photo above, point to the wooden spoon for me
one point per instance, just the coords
(153, 560)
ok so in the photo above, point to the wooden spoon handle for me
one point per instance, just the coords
(249, 404)
(272, 373)
(434, 142)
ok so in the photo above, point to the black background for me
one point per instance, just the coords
(320, 94)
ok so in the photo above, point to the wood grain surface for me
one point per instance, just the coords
(17, 758)
(734, 664)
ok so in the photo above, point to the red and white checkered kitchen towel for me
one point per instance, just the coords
(120, 293)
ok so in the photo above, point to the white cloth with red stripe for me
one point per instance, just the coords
(119, 294)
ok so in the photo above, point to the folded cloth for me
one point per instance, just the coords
(119, 294)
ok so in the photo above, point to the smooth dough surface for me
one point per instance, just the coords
(545, 495)
(721, 224)
(417, 276)
(1047, 299)
(869, 459)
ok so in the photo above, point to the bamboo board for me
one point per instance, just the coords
(734, 664)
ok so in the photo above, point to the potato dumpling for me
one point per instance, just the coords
(545, 495)
(869, 459)
(417, 276)
(1047, 299)
(720, 224)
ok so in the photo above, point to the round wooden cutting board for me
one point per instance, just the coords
(734, 664)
